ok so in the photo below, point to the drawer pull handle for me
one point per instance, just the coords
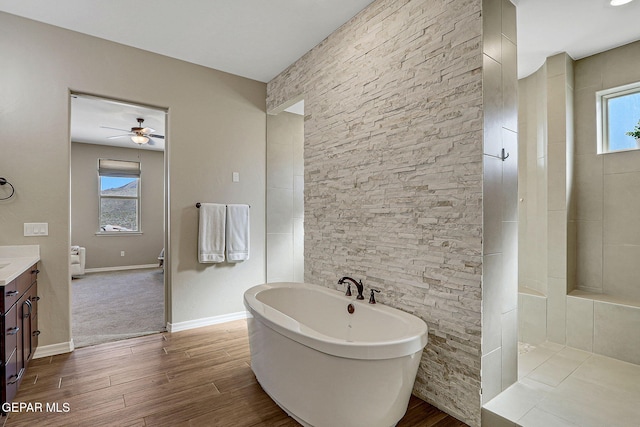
(29, 309)
(13, 331)
(35, 298)
(12, 293)
(35, 333)
(36, 271)
(17, 377)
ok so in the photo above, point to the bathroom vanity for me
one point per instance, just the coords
(19, 320)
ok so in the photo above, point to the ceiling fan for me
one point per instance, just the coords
(138, 134)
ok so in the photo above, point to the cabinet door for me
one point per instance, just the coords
(24, 335)
(35, 332)
(11, 378)
(11, 332)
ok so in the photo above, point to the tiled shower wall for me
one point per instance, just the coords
(605, 218)
(590, 301)
(500, 203)
(285, 198)
(393, 174)
(532, 183)
(546, 191)
(533, 212)
(607, 185)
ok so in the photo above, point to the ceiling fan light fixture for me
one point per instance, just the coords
(140, 139)
(619, 2)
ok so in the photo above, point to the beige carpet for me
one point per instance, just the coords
(117, 305)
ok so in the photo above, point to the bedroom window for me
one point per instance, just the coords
(618, 113)
(119, 194)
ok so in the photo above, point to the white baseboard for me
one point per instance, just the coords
(53, 349)
(207, 321)
(119, 268)
(68, 347)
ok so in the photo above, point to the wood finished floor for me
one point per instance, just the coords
(199, 377)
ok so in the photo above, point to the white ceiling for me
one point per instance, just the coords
(258, 39)
(297, 108)
(91, 116)
(250, 38)
(579, 27)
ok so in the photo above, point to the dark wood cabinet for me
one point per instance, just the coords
(19, 308)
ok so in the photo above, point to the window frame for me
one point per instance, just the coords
(112, 170)
(602, 115)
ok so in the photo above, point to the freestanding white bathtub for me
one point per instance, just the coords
(326, 367)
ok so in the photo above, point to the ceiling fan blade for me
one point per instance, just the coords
(123, 130)
(151, 135)
(117, 136)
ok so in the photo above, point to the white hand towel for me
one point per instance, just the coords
(237, 233)
(211, 234)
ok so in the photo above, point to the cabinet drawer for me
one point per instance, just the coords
(11, 295)
(27, 278)
(11, 377)
(11, 332)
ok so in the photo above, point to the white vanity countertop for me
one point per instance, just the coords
(15, 260)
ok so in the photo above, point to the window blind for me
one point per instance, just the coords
(118, 168)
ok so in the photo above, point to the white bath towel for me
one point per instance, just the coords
(211, 233)
(237, 233)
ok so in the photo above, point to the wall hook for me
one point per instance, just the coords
(503, 156)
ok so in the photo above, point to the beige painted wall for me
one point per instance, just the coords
(104, 251)
(393, 174)
(285, 197)
(216, 126)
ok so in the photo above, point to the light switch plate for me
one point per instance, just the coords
(235, 177)
(36, 228)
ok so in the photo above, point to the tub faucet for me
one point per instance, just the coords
(359, 286)
(372, 298)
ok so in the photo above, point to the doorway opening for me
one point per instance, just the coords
(118, 221)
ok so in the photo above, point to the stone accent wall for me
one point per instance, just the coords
(393, 174)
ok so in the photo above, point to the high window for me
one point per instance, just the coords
(119, 196)
(618, 114)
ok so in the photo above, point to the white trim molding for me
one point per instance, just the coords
(602, 116)
(68, 347)
(207, 321)
(123, 267)
(53, 349)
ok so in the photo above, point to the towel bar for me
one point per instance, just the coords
(200, 204)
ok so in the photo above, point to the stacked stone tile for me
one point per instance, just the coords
(393, 174)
